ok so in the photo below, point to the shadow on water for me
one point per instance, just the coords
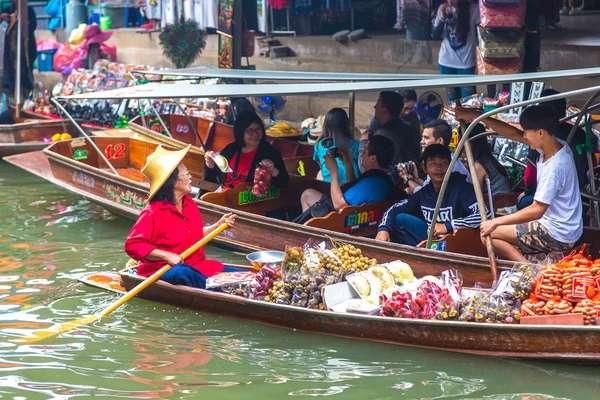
(148, 350)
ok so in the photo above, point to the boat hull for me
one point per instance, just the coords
(31, 135)
(251, 232)
(561, 343)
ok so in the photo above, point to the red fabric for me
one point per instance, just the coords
(161, 226)
(243, 168)
(530, 176)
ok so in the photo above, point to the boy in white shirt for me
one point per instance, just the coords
(553, 222)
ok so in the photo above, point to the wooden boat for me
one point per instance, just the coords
(126, 193)
(215, 135)
(31, 134)
(567, 344)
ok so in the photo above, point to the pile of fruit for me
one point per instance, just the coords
(262, 178)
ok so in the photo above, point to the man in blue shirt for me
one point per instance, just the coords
(374, 183)
(458, 210)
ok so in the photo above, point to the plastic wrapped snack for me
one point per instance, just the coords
(557, 306)
(549, 282)
(589, 309)
(533, 306)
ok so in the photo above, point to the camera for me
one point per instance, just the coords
(409, 167)
(333, 152)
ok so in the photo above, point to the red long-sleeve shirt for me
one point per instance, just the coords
(161, 226)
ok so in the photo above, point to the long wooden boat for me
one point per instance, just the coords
(126, 194)
(31, 134)
(215, 135)
(574, 344)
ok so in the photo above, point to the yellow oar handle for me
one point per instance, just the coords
(148, 281)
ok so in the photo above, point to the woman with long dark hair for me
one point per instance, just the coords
(171, 223)
(456, 24)
(336, 133)
(249, 148)
(486, 165)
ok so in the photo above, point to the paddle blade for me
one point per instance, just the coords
(56, 330)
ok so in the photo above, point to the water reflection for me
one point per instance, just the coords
(149, 350)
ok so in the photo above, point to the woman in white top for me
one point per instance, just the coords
(456, 24)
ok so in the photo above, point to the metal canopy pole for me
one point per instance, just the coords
(153, 109)
(580, 116)
(20, 45)
(477, 120)
(189, 120)
(62, 109)
(351, 110)
(480, 200)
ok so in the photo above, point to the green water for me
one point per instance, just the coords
(49, 237)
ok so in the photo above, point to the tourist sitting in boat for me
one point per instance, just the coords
(249, 148)
(374, 184)
(486, 165)
(553, 221)
(437, 131)
(336, 133)
(388, 108)
(407, 115)
(458, 209)
(171, 223)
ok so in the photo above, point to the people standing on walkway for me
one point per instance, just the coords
(455, 24)
(28, 53)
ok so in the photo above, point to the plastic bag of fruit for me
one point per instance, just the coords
(262, 178)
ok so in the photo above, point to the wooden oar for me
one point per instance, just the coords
(67, 326)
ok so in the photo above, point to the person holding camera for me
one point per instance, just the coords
(374, 184)
(437, 131)
(336, 136)
(458, 210)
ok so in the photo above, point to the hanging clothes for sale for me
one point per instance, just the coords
(188, 9)
(153, 9)
(416, 12)
(210, 14)
(250, 15)
(261, 11)
(169, 14)
(280, 4)
(400, 24)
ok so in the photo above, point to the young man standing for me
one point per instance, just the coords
(458, 209)
(553, 222)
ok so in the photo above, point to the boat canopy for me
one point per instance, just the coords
(179, 90)
(207, 71)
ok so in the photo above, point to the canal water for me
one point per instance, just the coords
(49, 237)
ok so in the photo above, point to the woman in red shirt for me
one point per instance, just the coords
(171, 223)
(249, 148)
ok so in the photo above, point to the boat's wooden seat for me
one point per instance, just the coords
(463, 241)
(130, 173)
(361, 220)
(292, 166)
(219, 135)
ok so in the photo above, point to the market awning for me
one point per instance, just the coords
(212, 72)
(178, 90)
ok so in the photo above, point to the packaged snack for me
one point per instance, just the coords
(589, 309)
(557, 306)
(533, 306)
(549, 282)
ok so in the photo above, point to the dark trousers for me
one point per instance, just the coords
(182, 274)
(409, 230)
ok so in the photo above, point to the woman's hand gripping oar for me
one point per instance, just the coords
(67, 326)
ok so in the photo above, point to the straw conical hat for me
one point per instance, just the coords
(160, 165)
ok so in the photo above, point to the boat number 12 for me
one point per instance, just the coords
(118, 151)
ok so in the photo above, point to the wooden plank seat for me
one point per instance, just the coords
(292, 166)
(360, 220)
(130, 173)
(463, 240)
